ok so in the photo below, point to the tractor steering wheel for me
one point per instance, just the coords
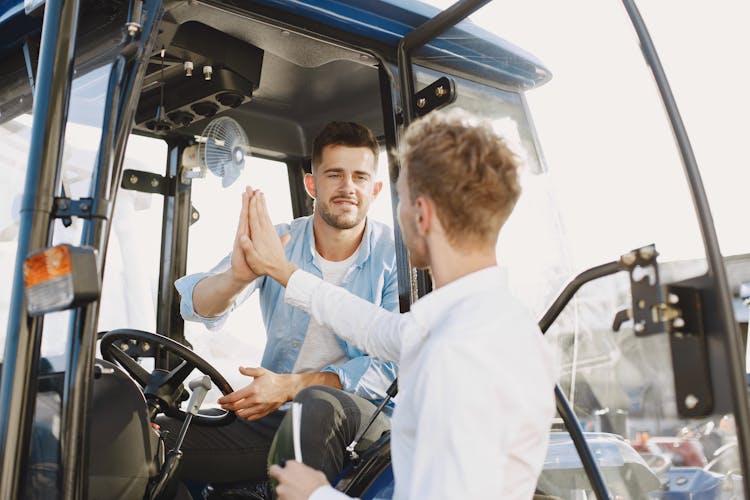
(163, 389)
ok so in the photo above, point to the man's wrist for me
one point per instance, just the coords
(237, 282)
(284, 272)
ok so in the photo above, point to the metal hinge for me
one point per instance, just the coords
(84, 208)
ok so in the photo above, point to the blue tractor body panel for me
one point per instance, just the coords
(466, 48)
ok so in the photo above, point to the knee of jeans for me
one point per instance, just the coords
(314, 394)
(319, 403)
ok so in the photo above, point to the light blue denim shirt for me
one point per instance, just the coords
(372, 276)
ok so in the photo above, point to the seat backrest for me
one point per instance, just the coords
(124, 449)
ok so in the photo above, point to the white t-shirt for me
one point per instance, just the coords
(321, 347)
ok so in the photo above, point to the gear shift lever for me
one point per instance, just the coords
(163, 486)
(390, 393)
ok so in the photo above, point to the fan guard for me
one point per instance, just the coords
(223, 148)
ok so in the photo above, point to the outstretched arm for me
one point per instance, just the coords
(214, 294)
(262, 248)
(370, 327)
(374, 330)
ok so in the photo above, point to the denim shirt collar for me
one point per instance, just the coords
(363, 250)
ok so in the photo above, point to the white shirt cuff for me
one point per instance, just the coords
(327, 492)
(300, 289)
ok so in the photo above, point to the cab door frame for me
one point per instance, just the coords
(18, 386)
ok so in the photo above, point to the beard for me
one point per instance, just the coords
(346, 220)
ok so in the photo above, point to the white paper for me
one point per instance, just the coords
(296, 424)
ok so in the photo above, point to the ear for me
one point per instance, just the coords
(310, 185)
(376, 189)
(424, 213)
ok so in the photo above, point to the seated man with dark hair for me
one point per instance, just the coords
(338, 244)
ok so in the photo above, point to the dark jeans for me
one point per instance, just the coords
(329, 423)
(231, 453)
(240, 451)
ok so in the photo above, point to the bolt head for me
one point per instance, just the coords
(691, 401)
(628, 259)
(647, 253)
(133, 28)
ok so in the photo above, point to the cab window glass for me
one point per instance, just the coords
(537, 261)
(82, 136)
(81, 141)
(131, 276)
(15, 140)
(381, 209)
(613, 182)
(242, 338)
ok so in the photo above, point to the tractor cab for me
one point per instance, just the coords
(129, 130)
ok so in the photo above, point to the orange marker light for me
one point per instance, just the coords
(59, 278)
(48, 264)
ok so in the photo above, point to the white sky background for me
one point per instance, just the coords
(703, 48)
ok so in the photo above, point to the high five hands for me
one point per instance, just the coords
(241, 271)
(262, 248)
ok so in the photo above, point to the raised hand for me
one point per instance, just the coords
(264, 395)
(241, 271)
(264, 249)
(297, 481)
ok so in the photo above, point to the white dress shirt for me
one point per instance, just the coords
(476, 384)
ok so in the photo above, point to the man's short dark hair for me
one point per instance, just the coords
(348, 134)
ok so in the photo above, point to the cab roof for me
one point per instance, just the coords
(465, 48)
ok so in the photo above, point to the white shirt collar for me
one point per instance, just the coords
(430, 309)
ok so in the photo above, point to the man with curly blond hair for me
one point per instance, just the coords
(476, 377)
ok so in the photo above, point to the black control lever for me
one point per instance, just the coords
(621, 317)
(163, 486)
(390, 393)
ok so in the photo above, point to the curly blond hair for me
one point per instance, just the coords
(459, 162)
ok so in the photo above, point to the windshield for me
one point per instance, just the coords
(612, 182)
